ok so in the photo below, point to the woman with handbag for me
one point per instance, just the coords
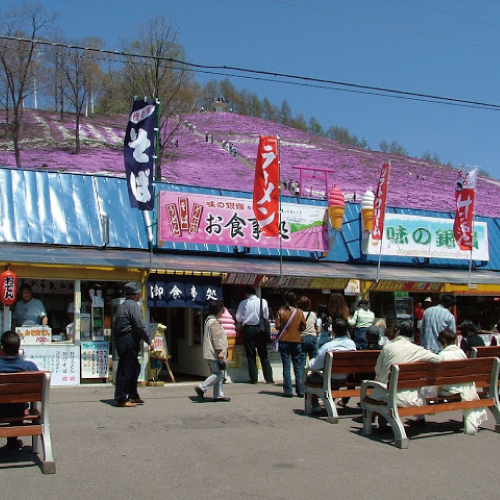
(290, 322)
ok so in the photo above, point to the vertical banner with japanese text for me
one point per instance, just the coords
(379, 203)
(266, 186)
(465, 195)
(139, 154)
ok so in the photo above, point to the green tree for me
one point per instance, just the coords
(18, 64)
(315, 127)
(159, 74)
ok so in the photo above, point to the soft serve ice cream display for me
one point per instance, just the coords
(367, 210)
(336, 207)
(227, 322)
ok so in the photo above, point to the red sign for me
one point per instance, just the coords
(8, 287)
(465, 194)
(379, 204)
(266, 186)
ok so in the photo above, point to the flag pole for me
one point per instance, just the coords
(279, 210)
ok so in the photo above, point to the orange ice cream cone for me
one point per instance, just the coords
(336, 215)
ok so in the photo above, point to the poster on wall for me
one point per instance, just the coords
(427, 237)
(220, 220)
(95, 359)
(62, 360)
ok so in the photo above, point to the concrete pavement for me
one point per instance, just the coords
(258, 446)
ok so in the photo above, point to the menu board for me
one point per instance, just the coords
(63, 360)
(95, 359)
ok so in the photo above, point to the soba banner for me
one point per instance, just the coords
(220, 220)
(428, 237)
(139, 154)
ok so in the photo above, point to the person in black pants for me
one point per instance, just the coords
(128, 331)
(248, 315)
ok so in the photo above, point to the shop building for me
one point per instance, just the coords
(77, 241)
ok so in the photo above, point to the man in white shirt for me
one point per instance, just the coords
(402, 350)
(248, 315)
(361, 320)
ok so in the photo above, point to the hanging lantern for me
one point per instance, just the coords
(8, 287)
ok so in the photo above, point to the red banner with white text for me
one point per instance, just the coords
(379, 203)
(266, 186)
(465, 195)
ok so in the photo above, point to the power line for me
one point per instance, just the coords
(261, 75)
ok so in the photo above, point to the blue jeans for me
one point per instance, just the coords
(309, 347)
(360, 338)
(293, 350)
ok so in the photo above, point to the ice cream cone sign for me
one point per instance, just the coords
(367, 210)
(229, 326)
(336, 207)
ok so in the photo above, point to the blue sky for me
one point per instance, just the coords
(449, 48)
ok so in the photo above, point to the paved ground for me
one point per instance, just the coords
(258, 446)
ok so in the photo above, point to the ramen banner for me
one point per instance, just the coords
(221, 220)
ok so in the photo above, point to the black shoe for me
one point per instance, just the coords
(201, 395)
(14, 444)
(269, 381)
(288, 395)
(253, 382)
(384, 429)
(222, 400)
(300, 395)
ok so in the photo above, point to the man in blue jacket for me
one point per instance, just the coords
(11, 362)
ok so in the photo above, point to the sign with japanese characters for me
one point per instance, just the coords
(34, 335)
(221, 220)
(427, 237)
(62, 360)
(95, 359)
(182, 291)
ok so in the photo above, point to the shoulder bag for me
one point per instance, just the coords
(276, 341)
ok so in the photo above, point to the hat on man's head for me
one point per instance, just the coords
(132, 287)
(363, 302)
(427, 299)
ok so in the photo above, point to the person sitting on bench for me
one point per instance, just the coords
(339, 342)
(12, 362)
(401, 350)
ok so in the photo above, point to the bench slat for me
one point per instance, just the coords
(19, 430)
(442, 407)
(20, 388)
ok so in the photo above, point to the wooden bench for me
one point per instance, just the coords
(482, 371)
(485, 351)
(336, 363)
(31, 388)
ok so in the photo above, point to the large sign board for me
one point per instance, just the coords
(62, 360)
(427, 237)
(220, 220)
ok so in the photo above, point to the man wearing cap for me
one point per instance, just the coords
(361, 320)
(128, 331)
(436, 319)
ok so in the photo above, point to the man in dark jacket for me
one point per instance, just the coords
(128, 332)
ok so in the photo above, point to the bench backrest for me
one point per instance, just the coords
(353, 361)
(486, 351)
(421, 374)
(22, 387)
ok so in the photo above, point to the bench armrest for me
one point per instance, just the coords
(371, 384)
